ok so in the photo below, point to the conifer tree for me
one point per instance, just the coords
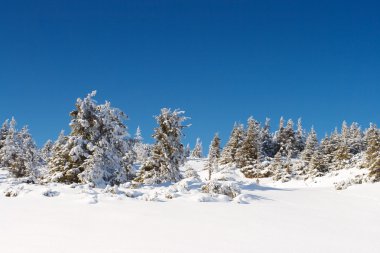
(213, 156)
(19, 153)
(167, 152)
(249, 152)
(310, 146)
(140, 149)
(317, 166)
(300, 138)
(373, 152)
(96, 150)
(46, 150)
(267, 145)
(356, 141)
(235, 141)
(198, 150)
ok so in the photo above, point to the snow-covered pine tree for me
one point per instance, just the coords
(342, 152)
(167, 152)
(213, 156)
(285, 138)
(373, 152)
(19, 153)
(317, 166)
(300, 138)
(46, 150)
(4, 133)
(140, 149)
(310, 146)
(267, 145)
(234, 143)
(249, 152)
(356, 141)
(327, 151)
(277, 166)
(96, 149)
(198, 150)
(290, 137)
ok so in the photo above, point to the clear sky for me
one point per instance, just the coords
(221, 61)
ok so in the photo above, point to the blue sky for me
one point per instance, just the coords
(221, 61)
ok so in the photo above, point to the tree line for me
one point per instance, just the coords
(99, 151)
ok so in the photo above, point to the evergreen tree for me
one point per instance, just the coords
(300, 139)
(96, 150)
(213, 156)
(46, 150)
(198, 150)
(248, 153)
(19, 153)
(167, 152)
(234, 143)
(140, 150)
(342, 152)
(267, 145)
(317, 166)
(4, 133)
(310, 146)
(356, 141)
(373, 152)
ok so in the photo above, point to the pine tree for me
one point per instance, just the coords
(373, 152)
(46, 150)
(317, 166)
(267, 145)
(234, 143)
(213, 156)
(356, 141)
(310, 146)
(300, 139)
(19, 153)
(4, 133)
(96, 149)
(277, 166)
(249, 152)
(198, 150)
(342, 152)
(167, 152)
(140, 149)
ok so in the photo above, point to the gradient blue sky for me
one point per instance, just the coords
(221, 61)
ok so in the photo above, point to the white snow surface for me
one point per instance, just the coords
(297, 216)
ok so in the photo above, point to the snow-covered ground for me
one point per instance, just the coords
(296, 216)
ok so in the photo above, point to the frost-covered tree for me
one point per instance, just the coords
(317, 166)
(140, 149)
(4, 133)
(373, 152)
(356, 140)
(300, 139)
(213, 156)
(167, 152)
(310, 146)
(19, 153)
(249, 152)
(96, 151)
(46, 150)
(285, 138)
(198, 150)
(234, 143)
(267, 145)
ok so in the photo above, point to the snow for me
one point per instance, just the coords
(296, 216)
